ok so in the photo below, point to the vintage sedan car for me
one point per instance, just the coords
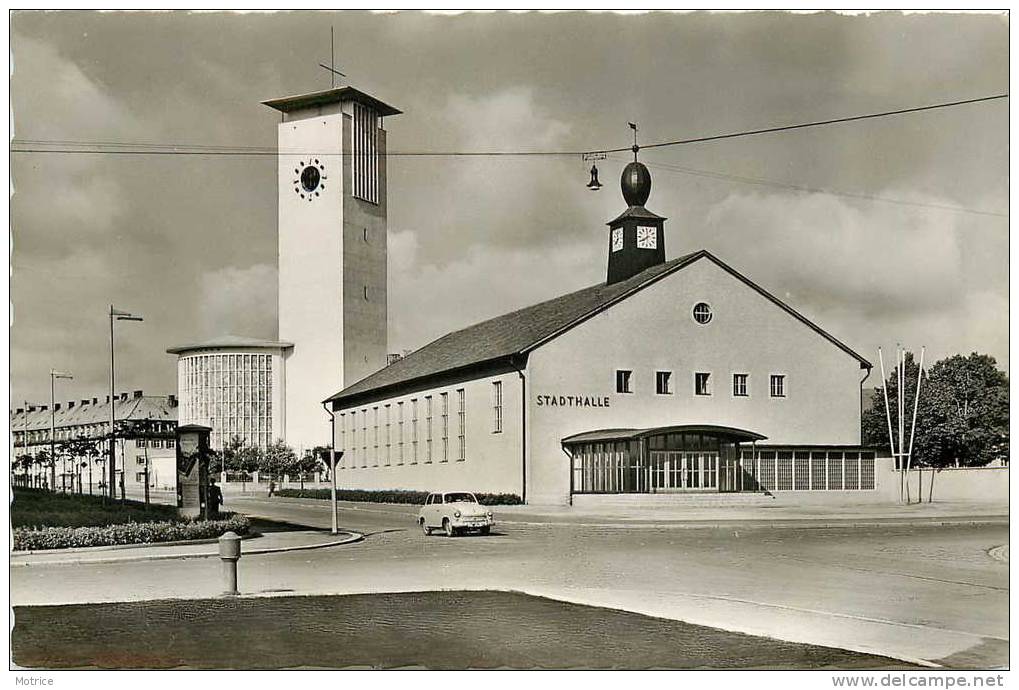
(454, 512)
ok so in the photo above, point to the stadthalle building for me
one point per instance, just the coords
(673, 376)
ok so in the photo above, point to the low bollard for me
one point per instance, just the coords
(230, 553)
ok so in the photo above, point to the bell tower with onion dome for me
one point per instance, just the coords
(637, 236)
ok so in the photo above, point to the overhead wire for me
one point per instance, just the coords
(125, 148)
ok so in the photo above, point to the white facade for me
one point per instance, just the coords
(331, 249)
(649, 331)
(424, 451)
(236, 389)
(654, 330)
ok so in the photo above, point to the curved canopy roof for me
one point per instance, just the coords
(601, 435)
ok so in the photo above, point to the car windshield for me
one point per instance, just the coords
(460, 498)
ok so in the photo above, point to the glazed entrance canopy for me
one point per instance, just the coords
(723, 433)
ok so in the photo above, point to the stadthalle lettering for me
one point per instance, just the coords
(572, 401)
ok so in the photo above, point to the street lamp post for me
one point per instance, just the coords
(115, 315)
(332, 465)
(54, 375)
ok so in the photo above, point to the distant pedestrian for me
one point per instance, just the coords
(215, 499)
(272, 487)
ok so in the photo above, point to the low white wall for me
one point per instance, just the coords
(970, 484)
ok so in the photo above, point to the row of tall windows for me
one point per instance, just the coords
(231, 392)
(412, 441)
(702, 384)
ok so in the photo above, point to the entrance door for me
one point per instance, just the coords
(729, 475)
(683, 470)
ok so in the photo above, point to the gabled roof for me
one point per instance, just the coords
(231, 341)
(505, 340)
(145, 407)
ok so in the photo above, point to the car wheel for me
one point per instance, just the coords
(447, 526)
(425, 528)
(484, 531)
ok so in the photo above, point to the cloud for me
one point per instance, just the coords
(427, 300)
(239, 301)
(872, 274)
(62, 202)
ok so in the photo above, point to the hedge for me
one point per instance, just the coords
(41, 538)
(394, 496)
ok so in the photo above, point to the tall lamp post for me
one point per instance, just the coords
(115, 315)
(54, 375)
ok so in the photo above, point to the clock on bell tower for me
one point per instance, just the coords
(332, 303)
(637, 236)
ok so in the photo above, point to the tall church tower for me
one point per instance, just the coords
(331, 168)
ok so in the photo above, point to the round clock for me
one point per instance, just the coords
(311, 177)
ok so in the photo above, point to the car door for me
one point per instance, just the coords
(435, 511)
(428, 510)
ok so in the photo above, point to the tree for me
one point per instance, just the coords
(962, 419)
(80, 448)
(230, 456)
(42, 458)
(311, 461)
(24, 463)
(278, 459)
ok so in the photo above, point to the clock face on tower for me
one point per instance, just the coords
(311, 177)
(617, 239)
(647, 237)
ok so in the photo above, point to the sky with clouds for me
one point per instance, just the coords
(190, 241)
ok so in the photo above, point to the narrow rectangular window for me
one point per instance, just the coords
(353, 438)
(663, 382)
(702, 383)
(445, 426)
(375, 436)
(497, 407)
(623, 380)
(365, 159)
(777, 385)
(462, 415)
(399, 445)
(414, 431)
(428, 428)
(343, 438)
(364, 437)
(739, 385)
(389, 439)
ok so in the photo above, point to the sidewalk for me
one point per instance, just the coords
(763, 515)
(269, 542)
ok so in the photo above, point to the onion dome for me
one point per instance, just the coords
(636, 184)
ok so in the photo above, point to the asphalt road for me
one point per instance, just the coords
(931, 594)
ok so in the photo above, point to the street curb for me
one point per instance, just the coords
(352, 537)
(807, 523)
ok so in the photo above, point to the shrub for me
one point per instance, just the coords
(40, 538)
(391, 496)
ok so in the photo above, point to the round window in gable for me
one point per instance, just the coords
(702, 313)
